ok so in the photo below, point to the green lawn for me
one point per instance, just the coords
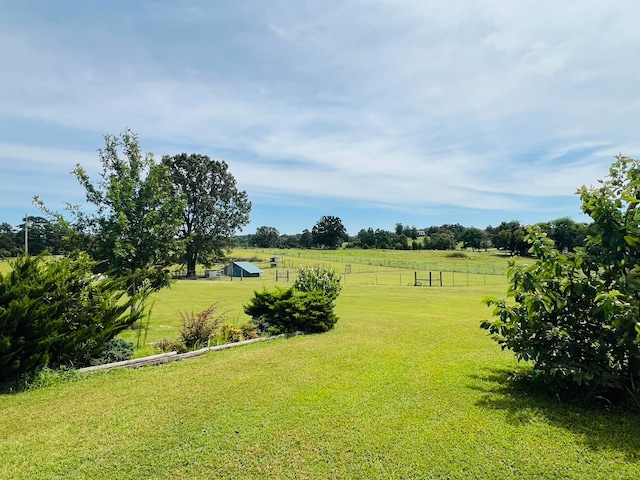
(405, 386)
(5, 266)
(196, 295)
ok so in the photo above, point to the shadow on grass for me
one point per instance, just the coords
(601, 426)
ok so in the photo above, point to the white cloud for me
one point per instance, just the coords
(396, 102)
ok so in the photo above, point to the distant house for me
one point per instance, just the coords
(421, 233)
(242, 269)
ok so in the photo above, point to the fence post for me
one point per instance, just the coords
(440, 277)
(429, 278)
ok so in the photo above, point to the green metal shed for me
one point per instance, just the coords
(242, 269)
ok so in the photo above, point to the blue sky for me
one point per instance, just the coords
(377, 111)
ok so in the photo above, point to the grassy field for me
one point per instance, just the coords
(405, 386)
(491, 263)
(5, 266)
(231, 294)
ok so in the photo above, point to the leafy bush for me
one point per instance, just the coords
(229, 333)
(56, 312)
(456, 255)
(115, 350)
(198, 329)
(318, 278)
(576, 316)
(169, 345)
(249, 330)
(306, 307)
(289, 311)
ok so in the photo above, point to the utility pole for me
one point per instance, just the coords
(26, 234)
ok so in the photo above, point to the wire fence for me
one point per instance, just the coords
(360, 270)
(282, 276)
(461, 265)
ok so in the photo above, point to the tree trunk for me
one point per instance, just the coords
(192, 259)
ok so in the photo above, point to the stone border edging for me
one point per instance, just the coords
(170, 356)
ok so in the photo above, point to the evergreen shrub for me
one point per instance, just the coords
(56, 312)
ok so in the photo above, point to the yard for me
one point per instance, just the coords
(405, 386)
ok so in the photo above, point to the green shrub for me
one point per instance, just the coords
(115, 350)
(305, 307)
(456, 255)
(198, 329)
(290, 311)
(55, 312)
(576, 316)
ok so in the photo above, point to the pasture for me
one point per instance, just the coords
(5, 266)
(364, 270)
(405, 386)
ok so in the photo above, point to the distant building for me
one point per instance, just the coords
(274, 261)
(242, 269)
(421, 233)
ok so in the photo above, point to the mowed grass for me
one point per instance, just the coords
(405, 386)
(5, 266)
(187, 296)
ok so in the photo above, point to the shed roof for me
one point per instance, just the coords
(248, 267)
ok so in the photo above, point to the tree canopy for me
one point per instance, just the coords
(215, 208)
(329, 232)
(265, 237)
(133, 231)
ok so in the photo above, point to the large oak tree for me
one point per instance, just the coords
(329, 232)
(215, 208)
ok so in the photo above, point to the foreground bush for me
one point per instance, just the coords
(290, 311)
(306, 307)
(576, 316)
(56, 312)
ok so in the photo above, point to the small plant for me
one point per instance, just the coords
(456, 255)
(199, 328)
(170, 345)
(249, 330)
(305, 307)
(115, 350)
(229, 333)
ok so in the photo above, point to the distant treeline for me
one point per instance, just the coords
(42, 235)
(46, 235)
(508, 236)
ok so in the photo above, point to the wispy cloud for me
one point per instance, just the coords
(485, 105)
